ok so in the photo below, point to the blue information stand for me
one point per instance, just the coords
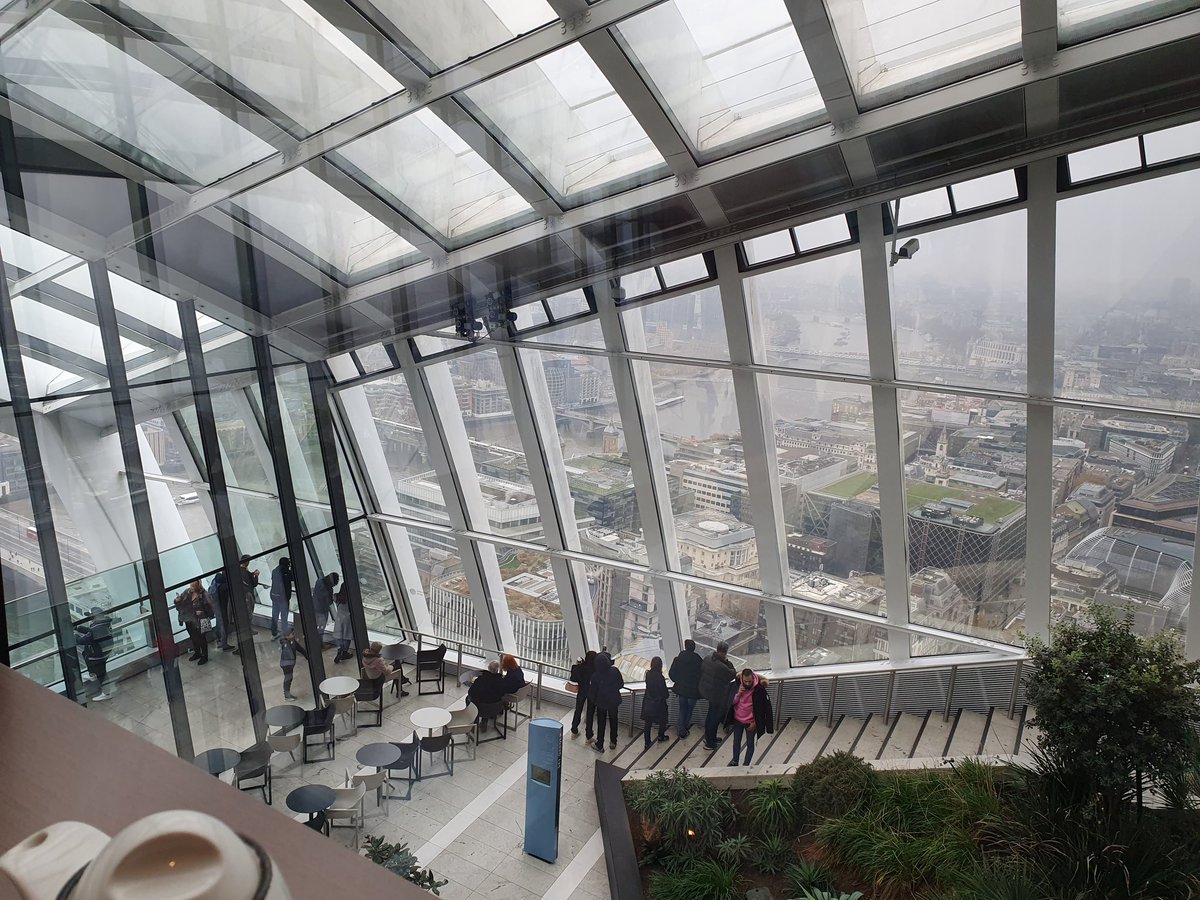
(543, 788)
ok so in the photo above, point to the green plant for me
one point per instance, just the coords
(1114, 707)
(682, 810)
(773, 853)
(702, 880)
(399, 859)
(806, 876)
(734, 850)
(832, 785)
(771, 806)
(818, 894)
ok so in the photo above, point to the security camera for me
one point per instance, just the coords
(907, 250)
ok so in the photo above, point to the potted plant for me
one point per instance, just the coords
(399, 859)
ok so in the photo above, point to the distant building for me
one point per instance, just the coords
(1166, 506)
(1149, 455)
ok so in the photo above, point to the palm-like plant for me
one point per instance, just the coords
(771, 806)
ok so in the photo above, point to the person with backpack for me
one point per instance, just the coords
(604, 690)
(94, 639)
(685, 682)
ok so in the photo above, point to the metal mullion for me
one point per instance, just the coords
(292, 528)
(39, 494)
(1041, 237)
(889, 455)
(139, 500)
(758, 444)
(460, 492)
(319, 381)
(643, 444)
(525, 382)
(219, 493)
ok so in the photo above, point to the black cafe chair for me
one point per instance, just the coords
(431, 669)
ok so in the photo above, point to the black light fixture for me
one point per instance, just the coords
(466, 324)
(497, 311)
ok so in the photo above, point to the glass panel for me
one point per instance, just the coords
(52, 63)
(958, 305)
(374, 358)
(823, 233)
(1124, 519)
(728, 75)
(768, 247)
(684, 271)
(922, 207)
(824, 640)
(825, 441)
(691, 325)
(377, 603)
(1079, 20)
(530, 315)
(626, 618)
(405, 450)
(587, 334)
(570, 304)
(561, 114)
(965, 492)
(445, 586)
(640, 284)
(894, 44)
(533, 604)
(303, 443)
(1172, 143)
(984, 191)
(284, 52)
(812, 315)
(62, 352)
(1122, 156)
(306, 212)
(1126, 294)
(593, 448)
(421, 162)
(436, 30)
(701, 436)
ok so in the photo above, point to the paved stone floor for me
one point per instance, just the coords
(467, 828)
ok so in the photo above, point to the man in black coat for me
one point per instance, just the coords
(488, 687)
(605, 692)
(716, 686)
(685, 682)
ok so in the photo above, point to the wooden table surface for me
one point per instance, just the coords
(60, 762)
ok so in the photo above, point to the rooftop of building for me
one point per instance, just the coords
(980, 503)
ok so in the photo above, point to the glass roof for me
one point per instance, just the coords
(726, 72)
(897, 44)
(1079, 20)
(421, 162)
(306, 211)
(282, 50)
(449, 31)
(61, 67)
(563, 116)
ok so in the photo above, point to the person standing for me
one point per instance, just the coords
(654, 704)
(218, 589)
(281, 596)
(288, 648)
(716, 682)
(685, 682)
(322, 598)
(94, 640)
(605, 693)
(750, 714)
(193, 609)
(581, 677)
(343, 630)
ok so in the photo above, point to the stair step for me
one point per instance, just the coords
(968, 734)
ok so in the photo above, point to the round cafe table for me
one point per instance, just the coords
(285, 717)
(378, 756)
(339, 686)
(403, 653)
(214, 762)
(311, 799)
(429, 718)
(469, 676)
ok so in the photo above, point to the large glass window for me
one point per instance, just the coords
(965, 494)
(627, 617)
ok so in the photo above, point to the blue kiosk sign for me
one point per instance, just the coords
(543, 788)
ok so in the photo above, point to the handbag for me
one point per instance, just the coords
(205, 626)
(572, 687)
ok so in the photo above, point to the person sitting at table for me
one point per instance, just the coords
(514, 676)
(488, 687)
(373, 664)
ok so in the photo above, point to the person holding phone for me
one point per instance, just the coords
(750, 714)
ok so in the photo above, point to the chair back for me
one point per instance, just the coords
(369, 688)
(431, 659)
(284, 743)
(521, 694)
(490, 710)
(436, 744)
(342, 705)
(347, 797)
(464, 716)
(371, 781)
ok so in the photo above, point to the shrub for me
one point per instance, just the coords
(1001, 881)
(702, 880)
(832, 785)
(399, 859)
(733, 851)
(806, 876)
(1114, 707)
(771, 807)
(682, 810)
(774, 852)
(818, 894)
